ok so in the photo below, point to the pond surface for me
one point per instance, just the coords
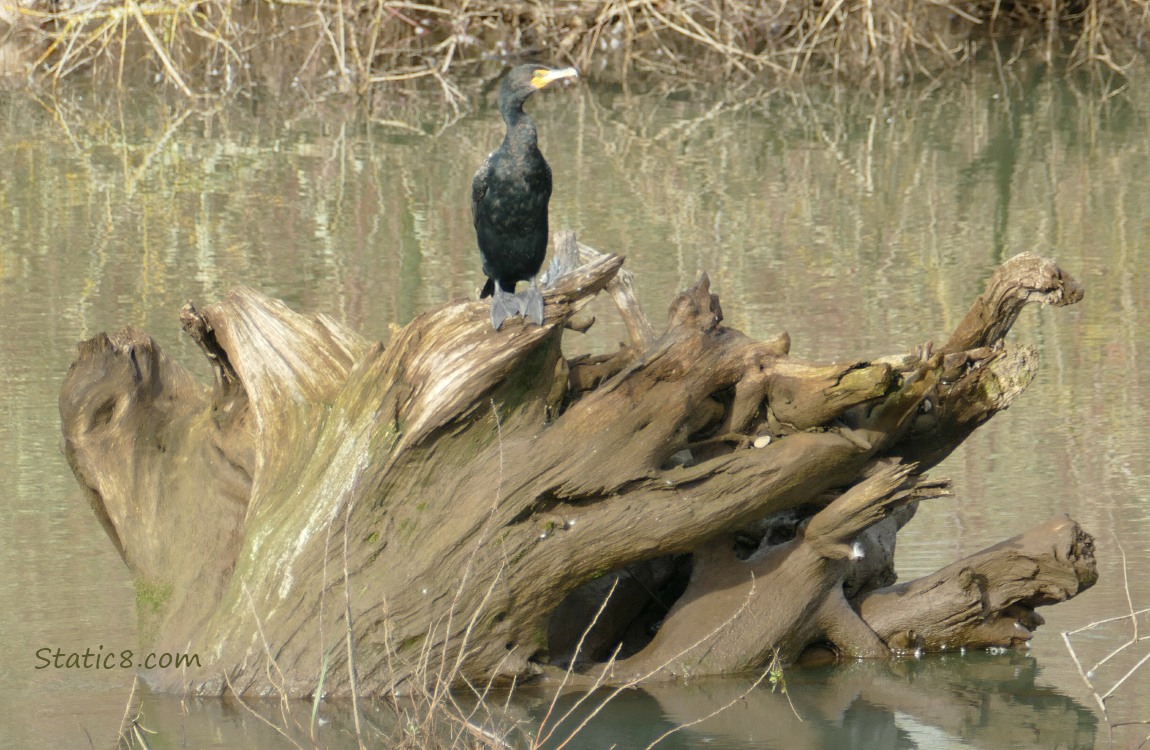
(863, 226)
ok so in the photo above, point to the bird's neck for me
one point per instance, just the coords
(521, 134)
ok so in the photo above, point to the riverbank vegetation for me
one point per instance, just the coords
(354, 46)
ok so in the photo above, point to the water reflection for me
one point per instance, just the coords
(862, 225)
(970, 701)
(976, 700)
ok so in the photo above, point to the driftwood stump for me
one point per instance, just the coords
(456, 504)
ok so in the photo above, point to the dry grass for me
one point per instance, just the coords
(428, 713)
(204, 47)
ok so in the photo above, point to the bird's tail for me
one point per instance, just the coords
(488, 289)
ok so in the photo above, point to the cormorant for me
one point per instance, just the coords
(509, 197)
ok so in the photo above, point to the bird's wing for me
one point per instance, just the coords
(479, 187)
(543, 181)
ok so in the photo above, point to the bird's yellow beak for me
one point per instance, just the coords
(544, 77)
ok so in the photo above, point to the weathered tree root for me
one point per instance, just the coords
(989, 598)
(449, 492)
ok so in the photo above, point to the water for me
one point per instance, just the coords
(861, 225)
(977, 700)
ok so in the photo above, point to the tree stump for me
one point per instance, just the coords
(453, 506)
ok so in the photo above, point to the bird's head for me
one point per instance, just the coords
(525, 80)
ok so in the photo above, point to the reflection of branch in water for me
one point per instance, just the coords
(739, 186)
(773, 670)
(984, 700)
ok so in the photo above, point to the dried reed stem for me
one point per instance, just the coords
(355, 44)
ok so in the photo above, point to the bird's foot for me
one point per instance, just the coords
(531, 304)
(503, 306)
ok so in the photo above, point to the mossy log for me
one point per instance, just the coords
(334, 512)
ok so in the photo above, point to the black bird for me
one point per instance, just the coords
(509, 197)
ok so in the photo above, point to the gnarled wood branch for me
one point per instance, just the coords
(477, 479)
